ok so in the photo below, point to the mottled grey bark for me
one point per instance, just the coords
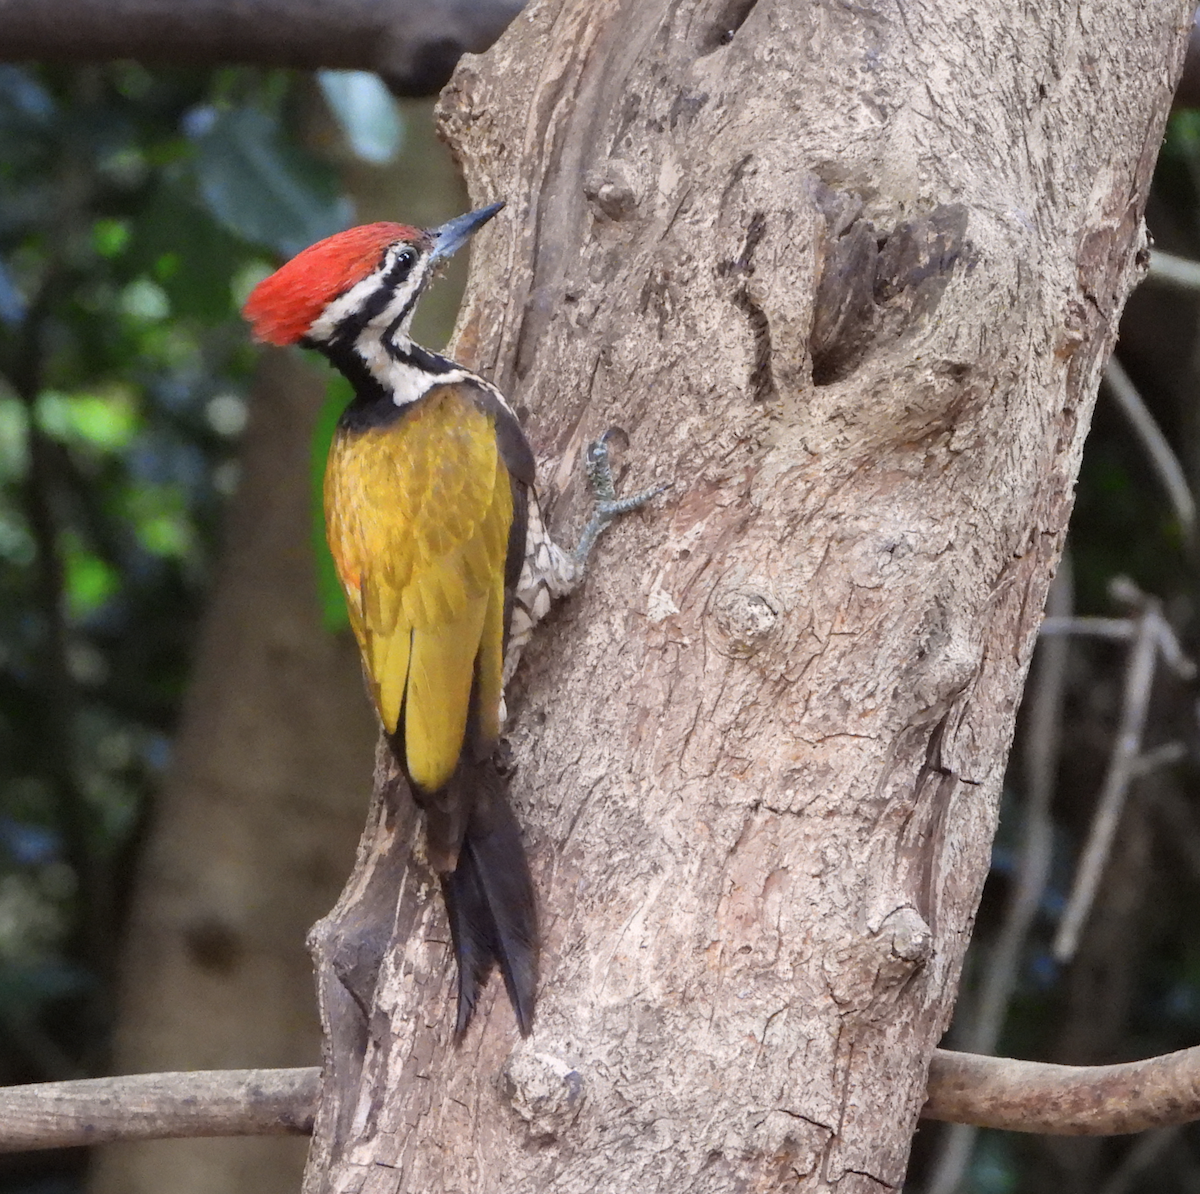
(847, 275)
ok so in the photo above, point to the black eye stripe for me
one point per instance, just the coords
(396, 275)
(399, 270)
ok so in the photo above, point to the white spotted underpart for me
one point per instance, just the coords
(548, 574)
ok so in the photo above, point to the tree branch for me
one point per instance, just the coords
(964, 1088)
(158, 1107)
(1064, 1100)
(1157, 448)
(1135, 707)
(412, 44)
(1170, 270)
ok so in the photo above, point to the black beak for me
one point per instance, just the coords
(455, 233)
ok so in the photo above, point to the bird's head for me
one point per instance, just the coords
(364, 279)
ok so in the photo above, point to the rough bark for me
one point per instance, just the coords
(847, 276)
(255, 827)
(413, 45)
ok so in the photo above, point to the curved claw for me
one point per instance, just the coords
(614, 434)
(607, 505)
(611, 508)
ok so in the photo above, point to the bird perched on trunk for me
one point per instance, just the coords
(434, 526)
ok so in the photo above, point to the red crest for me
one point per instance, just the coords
(282, 308)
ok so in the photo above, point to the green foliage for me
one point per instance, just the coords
(137, 208)
(258, 185)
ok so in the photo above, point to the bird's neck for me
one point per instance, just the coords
(391, 372)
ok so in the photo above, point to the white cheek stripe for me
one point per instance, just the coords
(325, 325)
(406, 382)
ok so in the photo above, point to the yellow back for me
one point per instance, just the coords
(418, 514)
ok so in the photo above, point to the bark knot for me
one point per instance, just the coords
(544, 1090)
(907, 939)
(746, 615)
(612, 191)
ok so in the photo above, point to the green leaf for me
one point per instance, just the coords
(258, 184)
(109, 237)
(90, 581)
(161, 520)
(369, 116)
(106, 421)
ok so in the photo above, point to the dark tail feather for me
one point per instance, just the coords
(470, 930)
(490, 904)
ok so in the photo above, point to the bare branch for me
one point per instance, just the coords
(1063, 1100)
(1173, 271)
(1171, 652)
(158, 1107)
(1120, 629)
(1162, 457)
(992, 1092)
(412, 44)
(1135, 704)
(1166, 755)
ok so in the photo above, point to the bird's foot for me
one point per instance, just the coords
(607, 506)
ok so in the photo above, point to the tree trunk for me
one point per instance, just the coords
(847, 275)
(256, 825)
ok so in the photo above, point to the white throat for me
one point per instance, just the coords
(405, 380)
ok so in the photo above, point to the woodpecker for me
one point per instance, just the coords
(436, 532)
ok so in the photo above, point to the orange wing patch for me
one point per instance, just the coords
(418, 515)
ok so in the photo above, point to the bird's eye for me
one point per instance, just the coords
(400, 264)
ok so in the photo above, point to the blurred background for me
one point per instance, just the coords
(1057, 971)
(185, 747)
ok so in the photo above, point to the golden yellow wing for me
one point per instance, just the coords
(418, 513)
